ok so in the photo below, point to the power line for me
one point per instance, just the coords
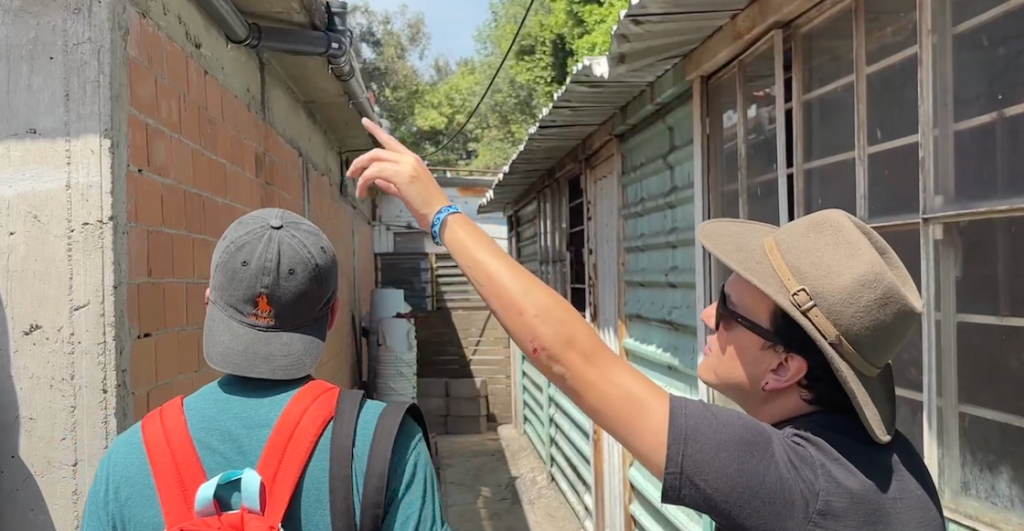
(486, 90)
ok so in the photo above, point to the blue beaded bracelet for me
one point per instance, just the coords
(435, 225)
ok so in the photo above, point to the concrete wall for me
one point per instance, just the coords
(58, 370)
(131, 136)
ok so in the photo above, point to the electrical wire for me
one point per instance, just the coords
(486, 90)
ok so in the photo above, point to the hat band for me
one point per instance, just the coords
(801, 298)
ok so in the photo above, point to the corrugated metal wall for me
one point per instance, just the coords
(409, 272)
(533, 387)
(557, 428)
(659, 278)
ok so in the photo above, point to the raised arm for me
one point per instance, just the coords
(560, 343)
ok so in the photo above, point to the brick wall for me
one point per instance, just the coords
(198, 159)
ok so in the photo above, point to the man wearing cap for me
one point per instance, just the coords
(802, 337)
(271, 301)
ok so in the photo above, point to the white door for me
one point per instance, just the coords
(605, 239)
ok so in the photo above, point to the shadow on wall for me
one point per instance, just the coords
(22, 505)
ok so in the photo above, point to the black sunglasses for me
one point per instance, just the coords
(723, 311)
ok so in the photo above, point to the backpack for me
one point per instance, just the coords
(186, 493)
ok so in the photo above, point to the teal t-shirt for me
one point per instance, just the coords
(230, 420)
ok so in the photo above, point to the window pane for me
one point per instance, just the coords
(763, 200)
(978, 105)
(992, 470)
(893, 178)
(759, 100)
(907, 363)
(723, 152)
(831, 186)
(983, 260)
(890, 27)
(829, 124)
(826, 51)
(892, 102)
(910, 421)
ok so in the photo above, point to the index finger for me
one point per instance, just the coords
(387, 141)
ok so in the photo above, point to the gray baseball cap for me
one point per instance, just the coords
(273, 278)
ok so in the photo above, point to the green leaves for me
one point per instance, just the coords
(426, 102)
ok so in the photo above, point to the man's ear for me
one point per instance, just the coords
(333, 319)
(788, 371)
(206, 300)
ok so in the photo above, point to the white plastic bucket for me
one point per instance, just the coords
(395, 360)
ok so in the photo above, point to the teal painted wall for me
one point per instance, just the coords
(659, 278)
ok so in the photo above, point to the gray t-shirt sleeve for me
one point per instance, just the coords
(741, 472)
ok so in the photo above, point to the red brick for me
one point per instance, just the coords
(190, 122)
(166, 356)
(174, 207)
(208, 132)
(216, 178)
(133, 307)
(136, 41)
(154, 48)
(202, 250)
(168, 102)
(213, 103)
(159, 151)
(236, 154)
(183, 384)
(160, 395)
(188, 348)
(177, 67)
(196, 83)
(138, 156)
(141, 89)
(138, 253)
(142, 364)
(195, 304)
(174, 305)
(238, 189)
(224, 136)
(195, 217)
(151, 307)
(184, 260)
(140, 405)
(181, 162)
(131, 195)
(161, 255)
(148, 201)
(259, 194)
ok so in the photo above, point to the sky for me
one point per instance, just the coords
(452, 23)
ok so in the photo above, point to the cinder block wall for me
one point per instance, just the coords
(198, 158)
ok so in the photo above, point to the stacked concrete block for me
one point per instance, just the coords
(432, 397)
(467, 405)
(455, 406)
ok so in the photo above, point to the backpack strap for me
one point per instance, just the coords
(377, 468)
(173, 461)
(343, 433)
(291, 443)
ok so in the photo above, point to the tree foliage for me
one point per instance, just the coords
(427, 104)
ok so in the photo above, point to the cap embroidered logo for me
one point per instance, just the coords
(261, 314)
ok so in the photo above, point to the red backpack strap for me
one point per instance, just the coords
(291, 443)
(173, 461)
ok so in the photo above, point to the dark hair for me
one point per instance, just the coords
(821, 383)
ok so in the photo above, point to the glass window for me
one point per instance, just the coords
(979, 103)
(981, 367)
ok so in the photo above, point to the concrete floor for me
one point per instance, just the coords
(497, 482)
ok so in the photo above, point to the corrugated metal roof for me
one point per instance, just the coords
(651, 36)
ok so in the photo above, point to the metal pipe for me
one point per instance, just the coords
(296, 41)
(335, 44)
(228, 19)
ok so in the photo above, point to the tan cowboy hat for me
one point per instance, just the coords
(845, 286)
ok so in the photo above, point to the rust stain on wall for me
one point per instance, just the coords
(465, 191)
